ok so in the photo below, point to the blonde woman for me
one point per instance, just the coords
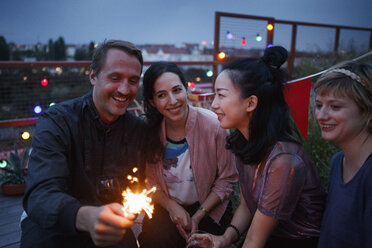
(344, 113)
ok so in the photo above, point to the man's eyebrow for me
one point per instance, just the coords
(135, 76)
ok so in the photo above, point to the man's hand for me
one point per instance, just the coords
(106, 224)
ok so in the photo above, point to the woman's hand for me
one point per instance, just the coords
(194, 224)
(207, 241)
(180, 217)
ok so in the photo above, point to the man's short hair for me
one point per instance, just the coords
(99, 55)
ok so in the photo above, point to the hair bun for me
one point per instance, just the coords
(275, 56)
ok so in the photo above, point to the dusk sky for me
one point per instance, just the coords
(149, 21)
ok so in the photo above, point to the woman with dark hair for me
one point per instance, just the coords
(195, 179)
(281, 198)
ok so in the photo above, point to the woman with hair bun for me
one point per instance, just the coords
(344, 113)
(281, 197)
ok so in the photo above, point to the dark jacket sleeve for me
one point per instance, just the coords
(46, 200)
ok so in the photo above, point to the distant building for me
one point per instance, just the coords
(70, 52)
(168, 52)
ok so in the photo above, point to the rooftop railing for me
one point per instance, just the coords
(29, 88)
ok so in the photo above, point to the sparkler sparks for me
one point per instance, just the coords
(134, 203)
(132, 179)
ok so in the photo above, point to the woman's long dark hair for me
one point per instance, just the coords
(271, 121)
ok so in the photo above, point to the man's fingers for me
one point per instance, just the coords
(106, 242)
(105, 235)
(114, 216)
(116, 208)
(109, 230)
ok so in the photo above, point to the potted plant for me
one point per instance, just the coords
(13, 175)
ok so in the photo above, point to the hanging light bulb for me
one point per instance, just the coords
(37, 109)
(258, 38)
(244, 41)
(221, 55)
(3, 163)
(229, 35)
(191, 85)
(44, 82)
(25, 135)
(270, 26)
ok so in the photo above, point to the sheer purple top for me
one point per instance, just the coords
(286, 186)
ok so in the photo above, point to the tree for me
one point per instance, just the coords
(90, 50)
(51, 55)
(84, 54)
(40, 54)
(60, 49)
(4, 49)
(80, 54)
(17, 55)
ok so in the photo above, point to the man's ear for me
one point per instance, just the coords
(92, 77)
(251, 103)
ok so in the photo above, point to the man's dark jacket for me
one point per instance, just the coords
(77, 160)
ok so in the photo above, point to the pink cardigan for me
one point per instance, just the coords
(212, 165)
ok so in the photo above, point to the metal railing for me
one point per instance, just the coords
(270, 34)
(20, 87)
(21, 90)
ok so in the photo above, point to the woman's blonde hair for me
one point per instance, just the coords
(352, 79)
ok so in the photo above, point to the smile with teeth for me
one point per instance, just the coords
(121, 98)
(220, 116)
(327, 126)
(174, 108)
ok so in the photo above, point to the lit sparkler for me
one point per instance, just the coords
(134, 203)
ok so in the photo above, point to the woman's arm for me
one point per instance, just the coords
(209, 203)
(259, 231)
(227, 175)
(241, 220)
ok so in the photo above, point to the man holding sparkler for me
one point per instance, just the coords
(82, 151)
